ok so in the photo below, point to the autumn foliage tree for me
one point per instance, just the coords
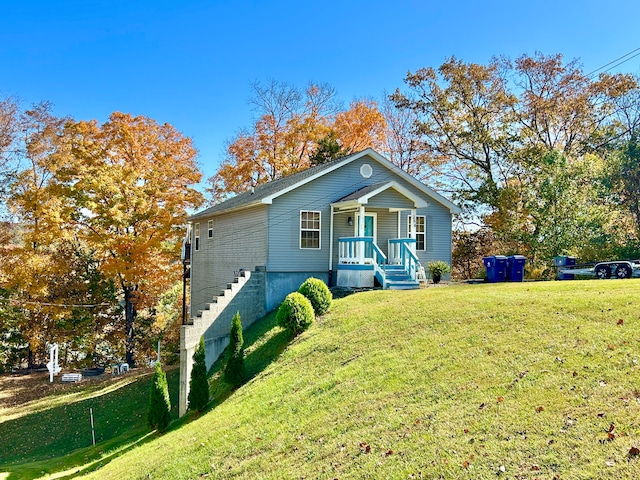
(496, 137)
(120, 191)
(292, 128)
(128, 184)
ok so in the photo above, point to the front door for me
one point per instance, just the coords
(369, 231)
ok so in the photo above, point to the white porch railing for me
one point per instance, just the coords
(362, 251)
(402, 252)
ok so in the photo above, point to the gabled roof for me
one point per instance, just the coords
(266, 193)
(362, 196)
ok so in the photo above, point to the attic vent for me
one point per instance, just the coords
(366, 171)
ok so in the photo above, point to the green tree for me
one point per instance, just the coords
(199, 386)
(159, 410)
(234, 371)
(328, 148)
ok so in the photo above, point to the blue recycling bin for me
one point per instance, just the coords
(515, 268)
(496, 267)
(564, 261)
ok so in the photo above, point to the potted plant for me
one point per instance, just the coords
(437, 268)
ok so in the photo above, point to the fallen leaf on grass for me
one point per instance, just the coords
(388, 452)
(481, 406)
(620, 322)
(465, 464)
(500, 399)
(364, 447)
(539, 409)
(634, 451)
(611, 346)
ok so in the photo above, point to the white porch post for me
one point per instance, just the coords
(412, 219)
(331, 241)
(414, 234)
(361, 234)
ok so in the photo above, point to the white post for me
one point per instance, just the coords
(93, 433)
(412, 219)
(53, 366)
(158, 351)
(331, 241)
(361, 234)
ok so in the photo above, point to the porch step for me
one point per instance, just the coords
(407, 285)
(397, 278)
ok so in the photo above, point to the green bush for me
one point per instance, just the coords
(295, 313)
(234, 369)
(199, 386)
(438, 268)
(159, 410)
(318, 294)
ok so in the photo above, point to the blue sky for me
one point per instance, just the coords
(190, 63)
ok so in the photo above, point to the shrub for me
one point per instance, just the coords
(318, 294)
(234, 369)
(438, 268)
(199, 386)
(159, 411)
(295, 313)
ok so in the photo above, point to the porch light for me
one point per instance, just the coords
(350, 221)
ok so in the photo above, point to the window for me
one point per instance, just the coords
(196, 235)
(421, 230)
(309, 229)
(210, 228)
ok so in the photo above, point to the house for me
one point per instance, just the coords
(353, 222)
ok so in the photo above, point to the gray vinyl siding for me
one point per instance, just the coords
(239, 242)
(285, 254)
(438, 235)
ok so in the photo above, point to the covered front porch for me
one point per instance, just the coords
(382, 224)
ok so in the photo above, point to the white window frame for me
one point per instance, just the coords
(423, 233)
(307, 229)
(196, 237)
(210, 229)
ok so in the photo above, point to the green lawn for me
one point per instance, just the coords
(534, 380)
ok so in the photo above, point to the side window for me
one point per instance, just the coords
(421, 231)
(309, 229)
(210, 229)
(196, 236)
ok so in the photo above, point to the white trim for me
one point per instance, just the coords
(380, 159)
(196, 237)
(375, 224)
(210, 229)
(416, 233)
(364, 199)
(319, 230)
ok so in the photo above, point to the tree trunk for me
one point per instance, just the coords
(130, 317)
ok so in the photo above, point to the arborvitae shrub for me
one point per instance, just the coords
(234, 370)
(199, 387)
(159, 411)
(318, 294)
(295, 313)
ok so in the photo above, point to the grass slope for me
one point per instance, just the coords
(524, 380)
(513, 380)
(53, 432)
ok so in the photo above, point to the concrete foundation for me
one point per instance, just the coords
(246, 295)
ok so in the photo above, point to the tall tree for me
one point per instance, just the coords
(128, 184)
(289, 127)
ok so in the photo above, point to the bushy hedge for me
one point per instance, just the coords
(234, 369)
(318, 294)
(199, 386)
(295, 313)
(159, 410)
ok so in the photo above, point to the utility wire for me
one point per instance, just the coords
(592, 73)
